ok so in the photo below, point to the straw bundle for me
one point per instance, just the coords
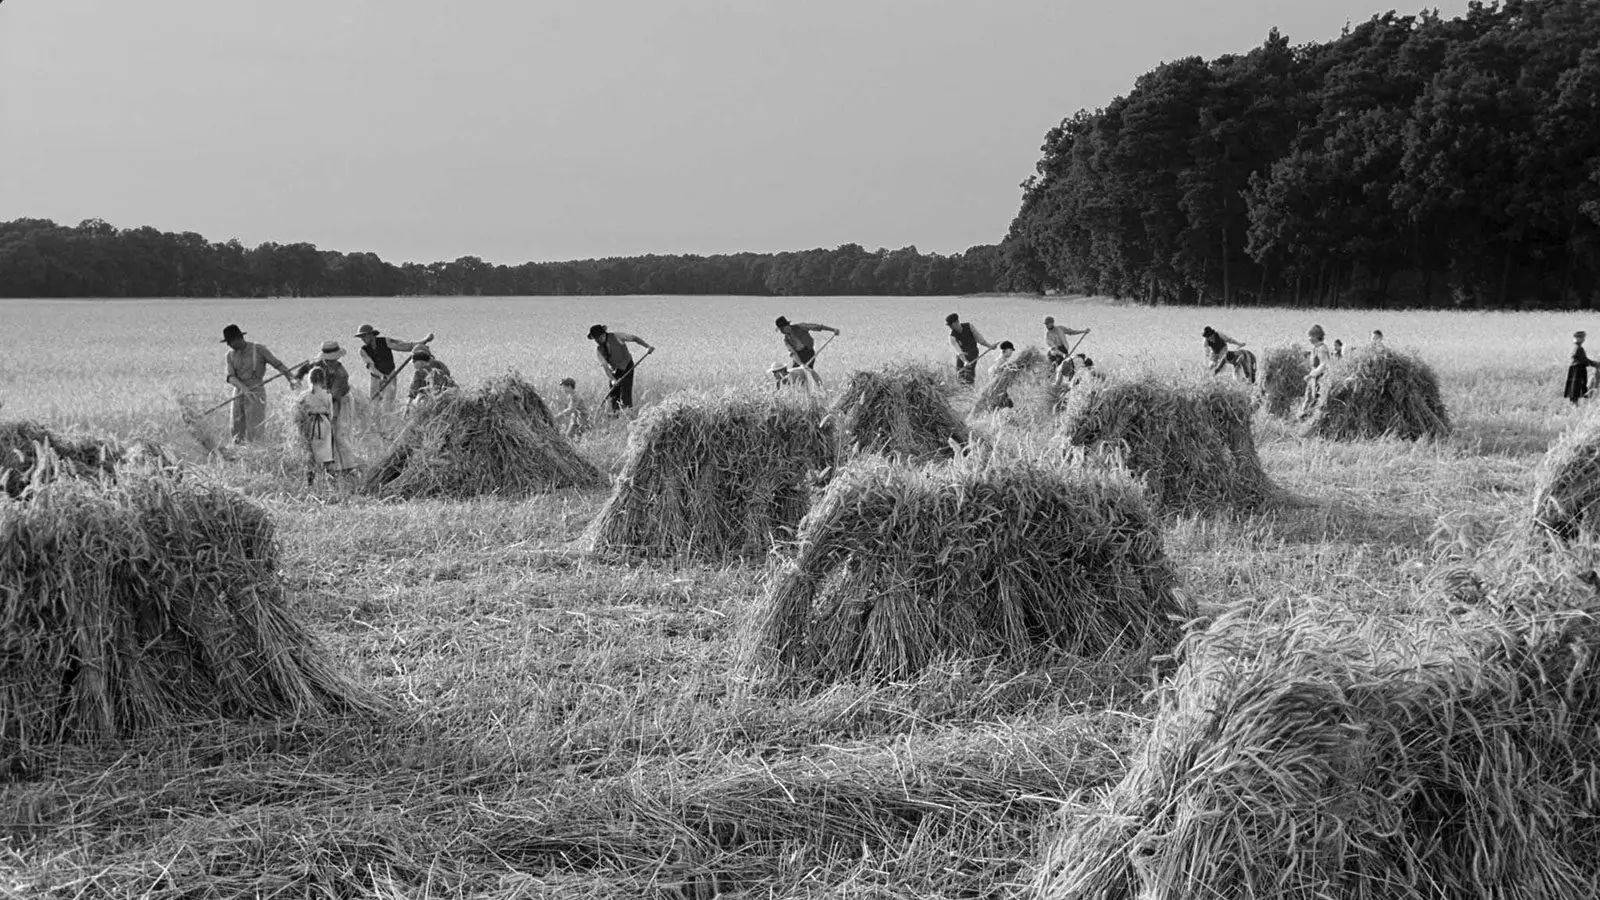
(1379, 392)
(1028, 365)
(142, 602)
(1281, 380)
(29, 451)
(498, 439)
(1191, 443)
(898, 568)
(901, 410)
(1566, 503)
(714, 477)
(1332, 756)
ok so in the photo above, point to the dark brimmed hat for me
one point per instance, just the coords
(1206, 331)
(568, 382)
(365, 330)
(781, 322)
(231, 333)
(421, 351)
(595, 331)
(1577, 334)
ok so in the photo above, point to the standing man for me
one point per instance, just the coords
(1056, 341)
(377, 354)
(247, 363)
(338, 379)
(617, 362)
(965, 339)
(797, 338)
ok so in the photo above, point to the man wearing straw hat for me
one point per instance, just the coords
(617, 362)
(377, 354)
(247, 364)
(339, 388)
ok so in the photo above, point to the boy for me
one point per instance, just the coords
(576, 416)
(1320, 360)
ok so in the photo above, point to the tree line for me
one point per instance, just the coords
(39, 258)
(1413, 161)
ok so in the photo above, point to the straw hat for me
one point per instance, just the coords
(331, 351)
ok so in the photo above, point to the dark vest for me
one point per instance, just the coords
(963, 335)
(1216, 343)
(382, 357)
(615, 353)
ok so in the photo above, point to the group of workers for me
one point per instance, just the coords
(327, 406)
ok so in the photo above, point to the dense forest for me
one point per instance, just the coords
(39, 258)
(1413, 161)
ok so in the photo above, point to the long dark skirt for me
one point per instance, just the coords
(1577, 383)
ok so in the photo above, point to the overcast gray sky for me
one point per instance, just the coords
(557, 129)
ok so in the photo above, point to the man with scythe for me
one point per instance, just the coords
(618, 363)
(377, 354)
(247, 364)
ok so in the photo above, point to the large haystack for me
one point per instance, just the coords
(1192, 443)
(897, 568)
(497, 439)
(901, 410)
(1566, 503)
(143, 601)
(1027, 367)
(714, 477)
(1281, 380)
(1335, 754)
(1378, 392)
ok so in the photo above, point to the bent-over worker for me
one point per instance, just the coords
(618, 363)
(377, 354)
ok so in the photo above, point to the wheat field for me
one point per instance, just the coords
(571, 727)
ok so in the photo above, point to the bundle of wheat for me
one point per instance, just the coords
(1566, 503)
(1281, 380)
(29, 452)
(1191, 442)
(144, 601)
(1027, 366)
(1379, 392)
(714, 476)
(897, 568)
(1330, 754)
(497, 439)
(902, 410)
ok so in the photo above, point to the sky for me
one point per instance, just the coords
(518, 130)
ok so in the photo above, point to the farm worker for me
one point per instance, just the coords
(1338, 349)
(316, 409)
(965, 339)
(1217, 347)
(1320, 360)
(1377, 337)
(794, 374)
(343, 407)
(575, 417)
(1007, 351)
(797, 338)
(617, 362)
(429, 376)
(377, 354)
(247, 363)
(1056, 341)
(1578, 370)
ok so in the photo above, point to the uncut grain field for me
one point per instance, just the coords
(567, 726)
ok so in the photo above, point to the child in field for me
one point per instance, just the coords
(1321, 359)
(575, 417)
(314, 412)
(429, 376)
